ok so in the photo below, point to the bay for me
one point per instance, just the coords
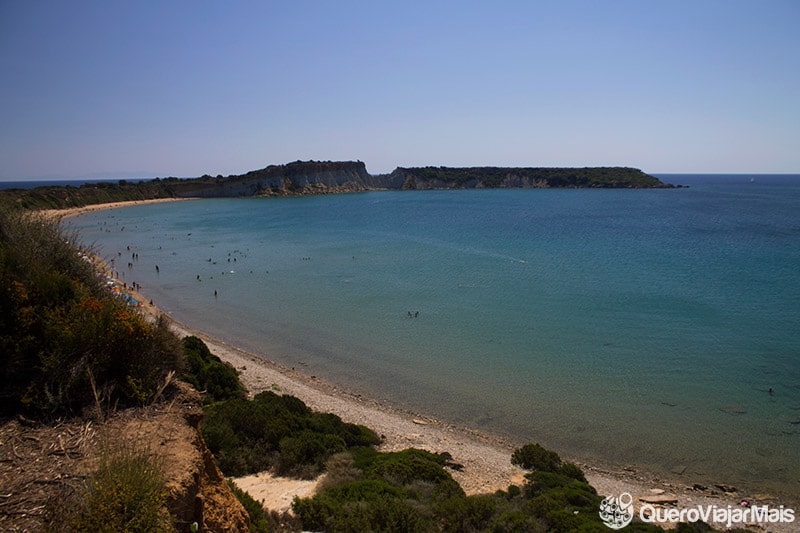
(626, 327)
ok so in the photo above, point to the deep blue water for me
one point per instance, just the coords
(633, 327)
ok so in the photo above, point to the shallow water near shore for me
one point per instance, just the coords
(641, 327)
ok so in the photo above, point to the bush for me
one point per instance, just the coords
(278, 433)
(127, 493)
(60, 328)
(339, 469)
(536, 457)
(473, 513)
(396, 491)
(308, 448)
(206, 372)
(364, 505)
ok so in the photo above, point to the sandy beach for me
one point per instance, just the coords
(486, 458)
(75, 211)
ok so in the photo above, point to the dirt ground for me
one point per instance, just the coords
(44, 467)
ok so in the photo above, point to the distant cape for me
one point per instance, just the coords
(321, 177)
(327, 177)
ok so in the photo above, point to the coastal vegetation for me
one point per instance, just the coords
(62, 197)
(66, 342)
(277, 433)
(68, 346)
(206, 372)
(496, 177)
(127, 492)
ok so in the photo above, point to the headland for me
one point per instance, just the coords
(328, 177)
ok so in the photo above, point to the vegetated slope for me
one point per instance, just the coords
(95, 430)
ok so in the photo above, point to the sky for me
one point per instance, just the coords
(115, 89)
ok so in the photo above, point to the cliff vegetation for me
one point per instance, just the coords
(503, 177)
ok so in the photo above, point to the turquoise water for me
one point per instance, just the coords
(639, 328)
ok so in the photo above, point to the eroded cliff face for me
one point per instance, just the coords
(44, 466)
(285, 180)
(198, 491)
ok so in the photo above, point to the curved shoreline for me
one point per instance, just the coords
(486, 457)
(60, 214)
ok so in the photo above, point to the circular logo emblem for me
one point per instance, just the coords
(617, 512)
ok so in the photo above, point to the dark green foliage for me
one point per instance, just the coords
(536, 457)
(572, 470)
(206, 372)
(278, 433)
(473, 513)
(60, 329)
(422, 496)
(398, 492)
(600, 177)
(58, 197)
(310, 448)
(367, 505)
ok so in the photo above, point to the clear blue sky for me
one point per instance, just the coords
(184, 88)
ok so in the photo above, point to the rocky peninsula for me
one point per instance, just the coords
(328, 177)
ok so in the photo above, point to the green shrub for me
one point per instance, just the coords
(307, 448)
(363, 505)
(562, 502)
(126, 494)
(339, 469)
(392, 491)
(412, 465)
(536, 457)
(60, 328)
(572, 470)
(515, 521)
(278, 433)
(473, 513)
(206, 372)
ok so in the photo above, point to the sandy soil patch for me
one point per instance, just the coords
(276, 493)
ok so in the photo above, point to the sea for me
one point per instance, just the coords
(656, 330)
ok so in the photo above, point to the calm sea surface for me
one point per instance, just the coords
(633, 327)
